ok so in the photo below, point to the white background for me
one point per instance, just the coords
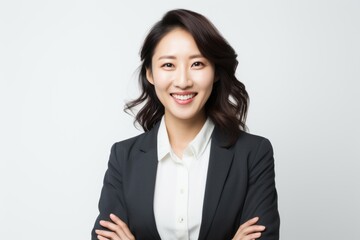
(67, 67)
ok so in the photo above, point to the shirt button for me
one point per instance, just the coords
(181, 190)
(181, 220)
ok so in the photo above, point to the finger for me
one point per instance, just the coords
(247, 223)
(250, 222)
(117, 230)
(107, 235)
(252, 236)
(102, 238)
(248, 228)
(123, 225)
(253, 229)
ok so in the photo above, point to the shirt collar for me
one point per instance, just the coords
(163, 143)
(202, 139)
(197, 146)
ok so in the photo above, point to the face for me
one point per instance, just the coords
(182, 77)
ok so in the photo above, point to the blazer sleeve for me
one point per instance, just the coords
(112, 197)
(261, 198)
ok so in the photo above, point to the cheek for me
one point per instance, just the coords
(161, 80)
(206, 81)
(161, 85)
(209, 91)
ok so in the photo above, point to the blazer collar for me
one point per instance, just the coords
(219, 165)
(149, 142)
(146, 174)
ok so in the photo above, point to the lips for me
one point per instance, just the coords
(183, 97)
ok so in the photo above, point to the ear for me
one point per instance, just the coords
(149, 76)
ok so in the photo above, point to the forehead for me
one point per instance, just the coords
(176, 42)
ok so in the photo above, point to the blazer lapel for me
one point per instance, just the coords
(146, 168)
(219, 166)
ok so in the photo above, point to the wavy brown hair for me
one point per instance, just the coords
(228, 103)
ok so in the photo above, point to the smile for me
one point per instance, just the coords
(183, 97)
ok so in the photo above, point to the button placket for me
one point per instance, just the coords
(182, 197)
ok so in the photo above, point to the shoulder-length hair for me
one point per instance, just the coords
(228, 103)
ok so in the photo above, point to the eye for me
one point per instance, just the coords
(197, 64)
(168, 65)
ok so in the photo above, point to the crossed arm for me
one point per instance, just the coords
(118, 230)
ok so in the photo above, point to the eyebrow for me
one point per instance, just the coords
(173, 57)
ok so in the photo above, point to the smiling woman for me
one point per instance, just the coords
(183, 79)
(195, 173)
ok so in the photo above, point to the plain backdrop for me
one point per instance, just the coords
(67, 67)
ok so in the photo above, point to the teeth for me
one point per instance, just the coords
(183, 97)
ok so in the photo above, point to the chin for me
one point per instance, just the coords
(188, 116)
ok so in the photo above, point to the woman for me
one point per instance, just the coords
(195, 173)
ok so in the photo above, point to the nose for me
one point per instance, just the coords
(182, 79)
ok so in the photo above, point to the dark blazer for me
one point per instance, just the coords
(240, 185)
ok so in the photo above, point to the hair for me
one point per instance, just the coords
(228, 103)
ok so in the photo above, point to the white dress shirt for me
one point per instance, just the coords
(180, 185)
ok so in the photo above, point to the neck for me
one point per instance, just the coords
(182, 132)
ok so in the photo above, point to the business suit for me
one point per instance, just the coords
(240, 185)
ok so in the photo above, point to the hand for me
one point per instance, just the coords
(119, 230)
(249, 231)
